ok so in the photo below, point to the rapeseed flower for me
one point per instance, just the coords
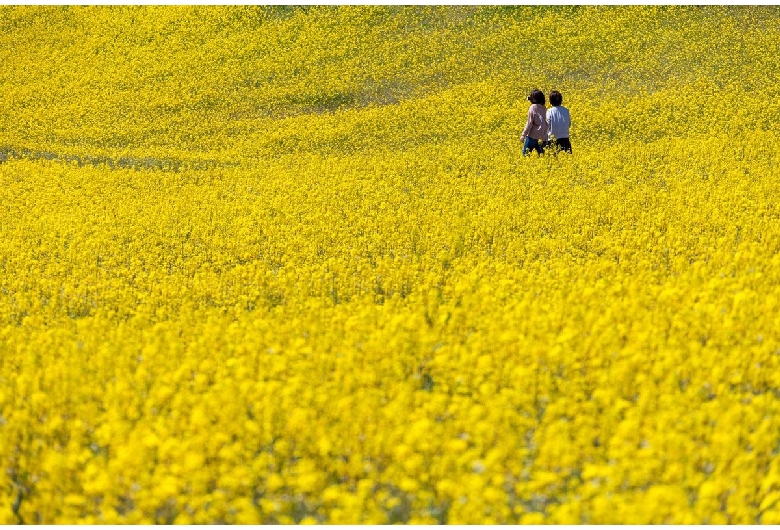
(276, 265)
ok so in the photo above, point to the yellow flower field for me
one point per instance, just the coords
(277, 265)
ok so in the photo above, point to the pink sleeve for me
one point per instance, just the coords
(529, 123)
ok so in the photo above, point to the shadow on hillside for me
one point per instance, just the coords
(126, 162)
(372, 94)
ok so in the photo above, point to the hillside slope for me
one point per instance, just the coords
(253, 82)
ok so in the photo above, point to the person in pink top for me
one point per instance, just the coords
(535, 131)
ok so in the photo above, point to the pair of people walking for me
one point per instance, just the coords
(546, 127)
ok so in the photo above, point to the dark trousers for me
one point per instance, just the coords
(559, 144)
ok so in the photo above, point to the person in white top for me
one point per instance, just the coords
(560, 121)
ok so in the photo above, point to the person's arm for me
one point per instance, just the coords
(528, 124)
(546, 117)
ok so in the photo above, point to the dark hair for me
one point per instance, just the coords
(555, 98)
(537, 96)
